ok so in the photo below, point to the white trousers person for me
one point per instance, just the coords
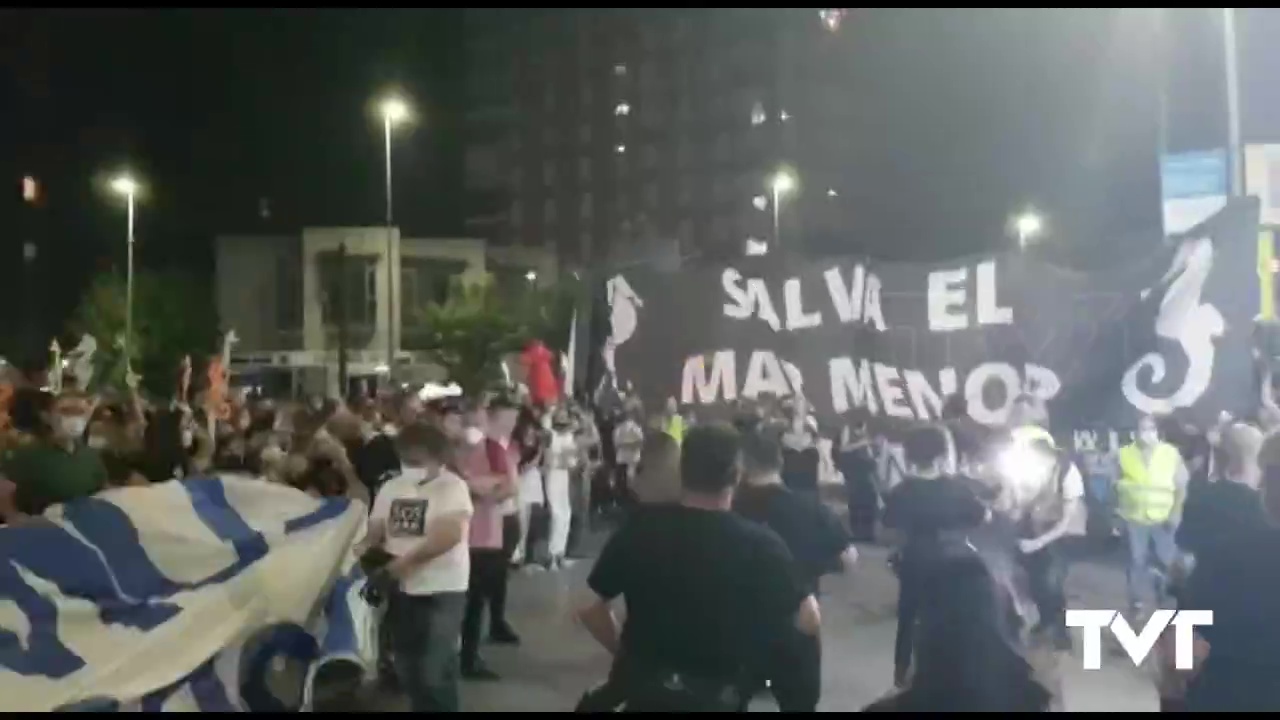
(531, 494)
(561, 509)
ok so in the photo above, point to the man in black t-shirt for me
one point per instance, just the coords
(929, 512)
(818, 543)
(708, 593)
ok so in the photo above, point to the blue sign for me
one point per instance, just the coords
(1193, 175)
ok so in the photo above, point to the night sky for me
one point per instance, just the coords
(216, 110)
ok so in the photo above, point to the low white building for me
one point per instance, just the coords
(279, 293)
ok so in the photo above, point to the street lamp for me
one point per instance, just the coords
(780, 185)
(1027, 226)
(394, 111)
(127, 187)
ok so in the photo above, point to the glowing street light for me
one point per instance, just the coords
(782, 183)
(1027, 227)
(127, 187)
(394, 110)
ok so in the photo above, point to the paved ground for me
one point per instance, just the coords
(558, 660)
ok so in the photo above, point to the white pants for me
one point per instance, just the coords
(561, 509)
(530, 495)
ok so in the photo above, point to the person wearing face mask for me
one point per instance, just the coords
(56, 467)
(421, 518)
(1150, 492)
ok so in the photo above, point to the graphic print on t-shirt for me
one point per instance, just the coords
(407, 517)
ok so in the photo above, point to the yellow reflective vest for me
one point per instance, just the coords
(675, 428)
(1147, 489)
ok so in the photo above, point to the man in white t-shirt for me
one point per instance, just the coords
(421, 518)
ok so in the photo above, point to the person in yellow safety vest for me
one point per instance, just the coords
(673, 421)
(1046, 511)
(1151, 487)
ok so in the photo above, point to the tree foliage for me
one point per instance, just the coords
(173, 316)
(480, 324)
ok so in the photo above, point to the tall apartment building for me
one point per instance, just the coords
(605, 133)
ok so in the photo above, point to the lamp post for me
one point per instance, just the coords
(1027, 227)
(394, 110)
(780, 185)
(126, 186)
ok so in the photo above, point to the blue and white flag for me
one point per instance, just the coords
(203, 595)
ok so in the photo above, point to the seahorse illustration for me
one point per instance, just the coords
(1183, 319)
(80, 361)
(623, 319)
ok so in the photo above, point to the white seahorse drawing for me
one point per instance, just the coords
(623, 319)
(80, 361)
(1184, 319)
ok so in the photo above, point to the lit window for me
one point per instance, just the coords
(30, 189)
(784, 116)
(620, 149)
(831, 18)
(758, 115)
(760, 202)
(620, 70)
(622, 109)
(831, 192)
(756, 247)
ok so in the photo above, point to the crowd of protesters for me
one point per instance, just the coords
(720, 533)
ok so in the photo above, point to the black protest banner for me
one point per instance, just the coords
(1170, 331)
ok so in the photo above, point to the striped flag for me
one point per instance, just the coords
(202, 595)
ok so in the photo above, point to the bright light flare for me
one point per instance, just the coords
(1024, 469)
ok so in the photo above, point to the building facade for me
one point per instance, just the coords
(282, 296)
(602, 133)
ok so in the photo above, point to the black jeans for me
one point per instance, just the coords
(1046, 577)
(908, 610)
(794, 671)
(633, 688)
(488, 588)
(425, 631)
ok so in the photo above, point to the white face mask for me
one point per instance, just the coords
(97, 442)
(187, 438)
(473, 435)
(73, 426)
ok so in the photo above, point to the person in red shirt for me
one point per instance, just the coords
(544, 389)
(489, 469)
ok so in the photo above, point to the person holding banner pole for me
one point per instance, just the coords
(421, 518)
